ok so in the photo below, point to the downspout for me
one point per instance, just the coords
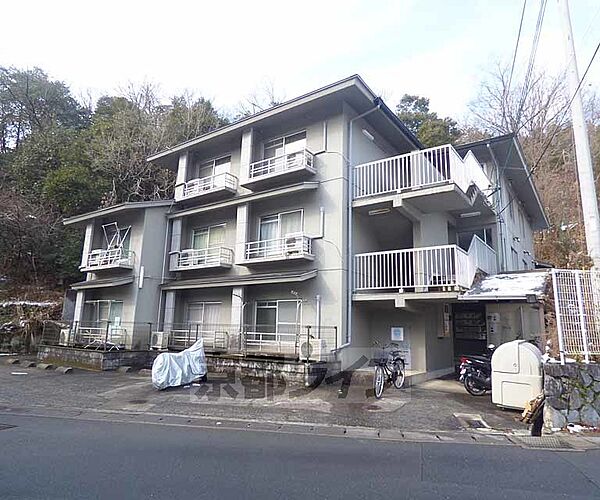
(162, 276)
(499, 234)
(350, 194)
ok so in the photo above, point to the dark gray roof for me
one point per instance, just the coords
(509, 286)
(121, 207)
(250, 279)
(102, 283)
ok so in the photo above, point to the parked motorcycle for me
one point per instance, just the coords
(476, 372)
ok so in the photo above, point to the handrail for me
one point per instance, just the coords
(290, 161)
(204, 257)
(414, 268)
(101, 257)
(201, 185)
(292, 245)
(419, 169)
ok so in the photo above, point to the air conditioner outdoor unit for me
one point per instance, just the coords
(64, 337)
(315, 350)
(159, 340)
(293, 244)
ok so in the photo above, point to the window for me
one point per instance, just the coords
(465, 238)
(213, 167)
(203, 313)
(278, 317)
(285, 145)
(115, 236)
(102, 311)
(208, 237)
(514, 258)
(281, 225)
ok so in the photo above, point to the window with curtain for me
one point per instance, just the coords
(285, 145)
(207, 314)
(207, 237)
(213, 167)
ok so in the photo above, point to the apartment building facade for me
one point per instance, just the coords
(321, 223)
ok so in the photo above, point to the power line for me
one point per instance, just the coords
(512, 68)
(549, 141)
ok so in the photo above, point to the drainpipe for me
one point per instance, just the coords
(162, 276)
(350, 194)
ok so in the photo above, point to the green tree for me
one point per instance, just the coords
(429, 128)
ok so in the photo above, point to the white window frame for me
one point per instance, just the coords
(110, 303)
(206, 228)
(212, 162)
(276, 302)
(283, 138)
(204, 303)
(278, 215)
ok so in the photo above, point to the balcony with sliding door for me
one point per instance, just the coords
(208, 180)
(207, 250)
(283, 160)
(281, 237)
(432, 180)
(113, 251)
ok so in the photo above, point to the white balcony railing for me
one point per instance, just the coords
(420, 268)
(105, 259)
(205, 257)
(204, 185)
(279, 343)
(419, 169)
(280, 164)
(290, 247)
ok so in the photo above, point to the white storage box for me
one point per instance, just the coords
(517, 375)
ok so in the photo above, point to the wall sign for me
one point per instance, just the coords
(397, 333)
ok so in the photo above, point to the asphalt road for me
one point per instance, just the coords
(45, 457)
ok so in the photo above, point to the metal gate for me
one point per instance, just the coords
(577, 307)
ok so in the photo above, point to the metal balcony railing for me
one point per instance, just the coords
(421, 268)
(205, 257)
(289, 247)
(204, 185)
(419, 169)
(105, 259)
(299, 160)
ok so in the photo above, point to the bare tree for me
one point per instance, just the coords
(264, 96)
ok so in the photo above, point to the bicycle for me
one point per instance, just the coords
(389, 368)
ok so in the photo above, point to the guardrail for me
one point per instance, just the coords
(205, 257)
(98, 335)
(114, 257)
(436, 266)
(291, 246)
(419, 169)
(199, 186)
(279, 164)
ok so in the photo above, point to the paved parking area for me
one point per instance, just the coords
(430, 406)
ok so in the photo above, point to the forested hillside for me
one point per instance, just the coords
(61, 155)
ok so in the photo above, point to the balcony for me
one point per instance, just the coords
(442, 268)
(291, 247)
(202, 258)
(224, 183)
(420, 174)
(115, 258)
(288, 167)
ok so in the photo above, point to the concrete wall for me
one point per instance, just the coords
(515, 321)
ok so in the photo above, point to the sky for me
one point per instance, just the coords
(226, 50)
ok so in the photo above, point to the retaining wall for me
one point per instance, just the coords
(572, 394)
(95, 360)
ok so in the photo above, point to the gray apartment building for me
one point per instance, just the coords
(311, 230)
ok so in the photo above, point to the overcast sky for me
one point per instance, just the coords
(225, 50)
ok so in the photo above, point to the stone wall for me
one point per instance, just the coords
(572, 394)
(95, 360)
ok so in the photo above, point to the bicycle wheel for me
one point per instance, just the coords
(378, 382)
(398, 375)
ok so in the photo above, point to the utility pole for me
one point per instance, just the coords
(587, 188)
